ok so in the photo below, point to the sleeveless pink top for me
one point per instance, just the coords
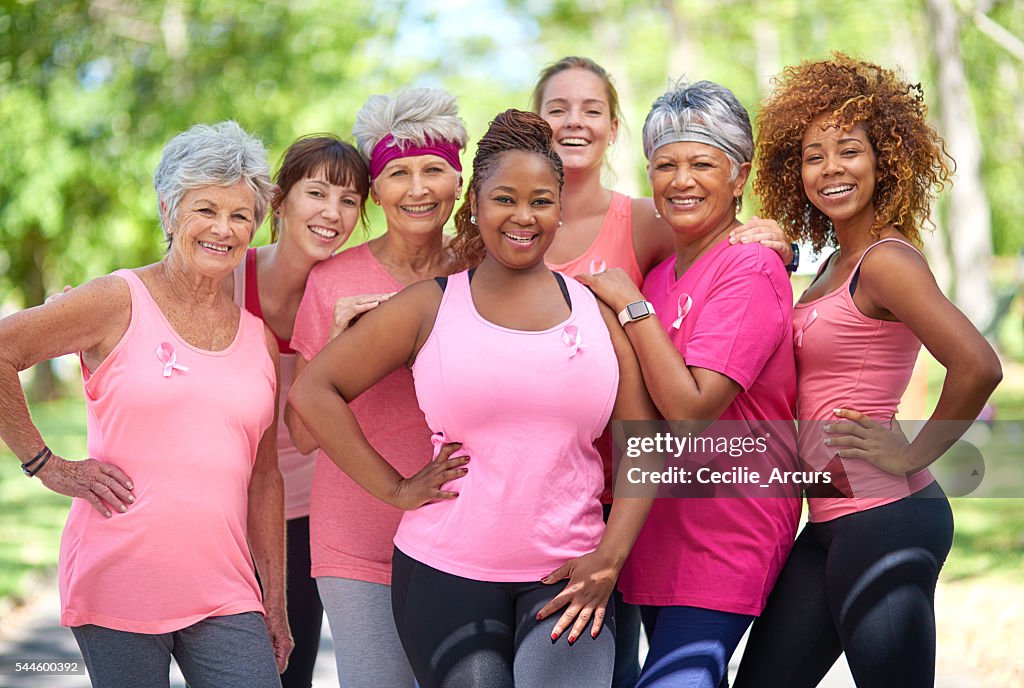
(613, 247)
(184, 424)
(526, 407)
(848, 360)
(296, 467)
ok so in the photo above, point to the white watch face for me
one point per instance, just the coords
(637, 310)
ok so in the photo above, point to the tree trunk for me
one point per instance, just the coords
(905, 47)
(623, 158)
(968, 218)
(684, 55)
(45, 384)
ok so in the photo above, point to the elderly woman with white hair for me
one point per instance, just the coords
(411, 141)
(720, 349)
(182, 480)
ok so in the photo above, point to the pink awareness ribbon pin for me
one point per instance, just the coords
(165, 352)
(598, 265)
(798, 339)
(683, 306)
(572, 338)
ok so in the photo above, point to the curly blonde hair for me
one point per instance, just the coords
(911, 156)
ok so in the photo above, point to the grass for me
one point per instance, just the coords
(31, 517)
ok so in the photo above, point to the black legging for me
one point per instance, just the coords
(305, 613)
(863, 584)
(460, 632)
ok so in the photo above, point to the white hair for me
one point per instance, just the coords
(709, 107)
(222, 154)
(411, 116)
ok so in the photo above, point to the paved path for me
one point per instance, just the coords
(41, 637)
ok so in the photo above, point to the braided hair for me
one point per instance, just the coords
(512, 130)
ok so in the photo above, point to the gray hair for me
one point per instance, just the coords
(219, 155)
(411, 116)
(704, 112)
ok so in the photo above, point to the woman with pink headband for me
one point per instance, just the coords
(411, 140)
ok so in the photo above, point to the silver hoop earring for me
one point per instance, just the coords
(472, 219)
(657, 214)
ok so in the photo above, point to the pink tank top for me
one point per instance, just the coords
(526, 407)
(184, 424)
(848, 360)
(613, 247)
(296, 467)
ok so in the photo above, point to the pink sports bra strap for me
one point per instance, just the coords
(868, 250)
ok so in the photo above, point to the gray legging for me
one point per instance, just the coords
(366, 646)
(218, 652)
(462, 632)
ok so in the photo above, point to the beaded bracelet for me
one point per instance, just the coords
(30, 468)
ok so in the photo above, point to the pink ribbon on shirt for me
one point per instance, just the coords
(683, 305)
(798, 339)
(598, 265)
(165, 352)
(572, 338)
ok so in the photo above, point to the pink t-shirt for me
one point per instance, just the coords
(184, 425)
(351, 532)
(848, 360)
(613, 247)
(724, 553)
(296, 467)
(526, 407)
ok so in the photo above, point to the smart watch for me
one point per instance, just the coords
(638, 310)
(795, 263)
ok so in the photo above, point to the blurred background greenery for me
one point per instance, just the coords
(90, 91)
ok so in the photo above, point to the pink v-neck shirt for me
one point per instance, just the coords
(527, 407)
(350, 531)
(723, 553)
(184, 424)
(847, 360)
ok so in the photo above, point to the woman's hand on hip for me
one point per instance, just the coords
(859, 437)
(591, 581)
(425, 486)
(101, 484)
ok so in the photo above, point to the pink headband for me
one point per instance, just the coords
(386, 150)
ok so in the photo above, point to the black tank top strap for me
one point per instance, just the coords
(564, 287)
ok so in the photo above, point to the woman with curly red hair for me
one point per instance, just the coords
(848, 158)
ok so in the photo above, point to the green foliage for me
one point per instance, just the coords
(92, 91)
(31, 517)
